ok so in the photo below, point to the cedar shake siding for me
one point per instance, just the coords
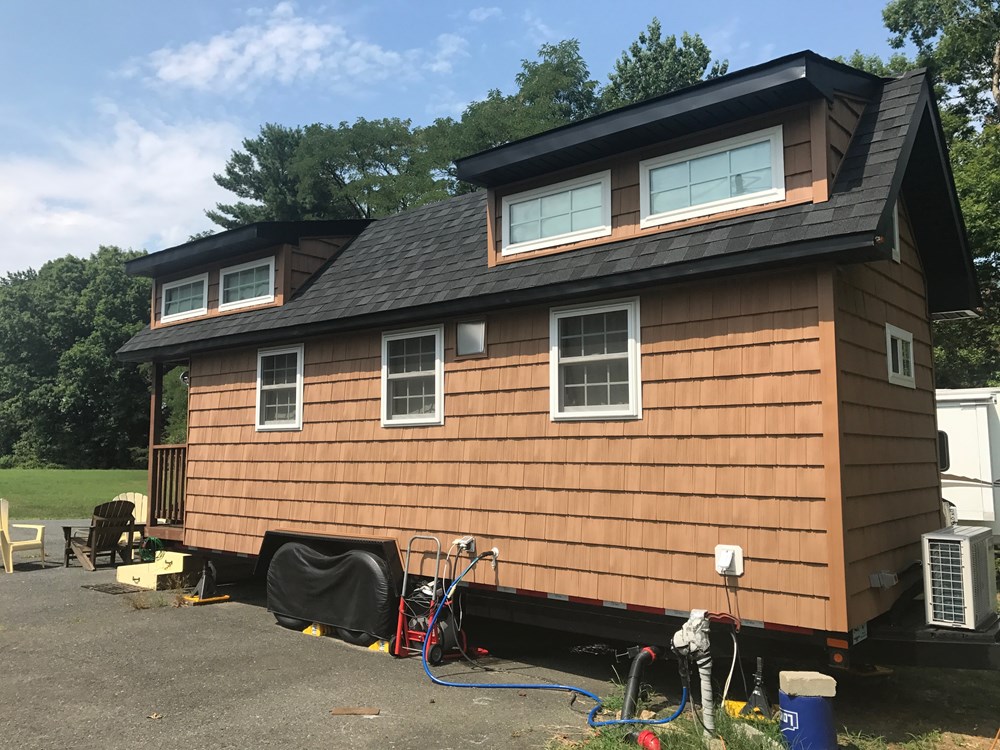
(728, 450)
(892, 486)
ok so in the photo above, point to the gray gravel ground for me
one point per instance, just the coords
(82, 668)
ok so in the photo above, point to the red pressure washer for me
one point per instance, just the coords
(416, 609)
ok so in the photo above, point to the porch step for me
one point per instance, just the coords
(171, 570)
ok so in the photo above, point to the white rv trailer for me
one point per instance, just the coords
(970, 418)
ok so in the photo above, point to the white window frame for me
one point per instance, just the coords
(164, 288)
(899, 378)
(772, 195)
(435, 418)
(633, 410)
(603, 230)
(269, 297)
(299, 351)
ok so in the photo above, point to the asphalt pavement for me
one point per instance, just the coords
(84, 668)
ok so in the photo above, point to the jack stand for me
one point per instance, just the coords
(205, 591)
(757, 705)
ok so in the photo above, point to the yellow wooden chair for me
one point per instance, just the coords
(9, 546)
(141, 513)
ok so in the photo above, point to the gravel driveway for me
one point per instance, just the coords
(83, 667)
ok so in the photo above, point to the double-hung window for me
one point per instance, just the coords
(569, 211)
(594, 361)
(723, 176)
(185, 298)
(899, 356)
(279, 388)
(413, 377)
(246, 284)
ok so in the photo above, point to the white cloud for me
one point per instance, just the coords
(450, 47)
(285, 47)
(730, 42)
(537, 30)
(133, 185)
(478, 15)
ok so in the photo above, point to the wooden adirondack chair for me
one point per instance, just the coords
(141, 515)
(9, 546)
(109, 522)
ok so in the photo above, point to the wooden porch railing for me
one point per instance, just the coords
(167, 477)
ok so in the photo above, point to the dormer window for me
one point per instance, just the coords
(186, 298)
(247, 284)
(558, 214)
(735, 173)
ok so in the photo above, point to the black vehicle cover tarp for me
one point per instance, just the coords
(352, 590)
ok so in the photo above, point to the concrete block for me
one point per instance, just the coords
(809, 684)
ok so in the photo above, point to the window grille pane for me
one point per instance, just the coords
(554, 225)
(593, 334)
(524, 232)
(712, 167)
(246, 284)
(279, 369)
(907, 358)
(525, 211)
(416, 354)
(750, 158)
(411, 396)
(751, 182)
(184, 298)
(554, 205)
(595, 384)
(586, 218)
(277, 405)
(587, 197)
(666, 178)
(670, 200)
(706, 192)
(894, 354)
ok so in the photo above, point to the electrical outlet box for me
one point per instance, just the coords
(728, 560)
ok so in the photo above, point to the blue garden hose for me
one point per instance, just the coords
(518, 686)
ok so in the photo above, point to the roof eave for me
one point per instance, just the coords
(857, 247)
(796, 77)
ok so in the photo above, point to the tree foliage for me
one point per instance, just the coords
(654, 65)
(65, 400)
(960, 41)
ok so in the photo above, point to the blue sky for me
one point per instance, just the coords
(115, 114)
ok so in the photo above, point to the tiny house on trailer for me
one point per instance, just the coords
(699, 320)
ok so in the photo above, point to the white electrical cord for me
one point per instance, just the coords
(732, 668)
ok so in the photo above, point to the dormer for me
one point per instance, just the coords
(754, 141)
(249, 268)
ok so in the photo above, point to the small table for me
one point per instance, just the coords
(68, 536)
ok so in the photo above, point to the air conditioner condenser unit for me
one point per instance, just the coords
(959, 577)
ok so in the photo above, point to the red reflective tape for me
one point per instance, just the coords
(788, 628)
(535, 594)
(652, 654)
(586, 600)
(644, 608)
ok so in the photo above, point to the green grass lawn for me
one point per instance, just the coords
(64, 493)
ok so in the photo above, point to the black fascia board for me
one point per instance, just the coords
(851, 248)
(758, 89)
(238, 241)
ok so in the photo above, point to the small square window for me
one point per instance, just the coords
(895, 233)
(594, 362)
(185, 298)
(470, 338)
(413, 377)
(899, 356)
(279, 388)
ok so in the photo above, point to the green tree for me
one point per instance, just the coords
(262, 173)
(654, 65)
(372, 167)
(64, 398)
(894, 65)
(960, 41)
(967, 353)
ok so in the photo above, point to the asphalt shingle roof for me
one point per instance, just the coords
(408, 263)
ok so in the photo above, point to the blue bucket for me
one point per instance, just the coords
(807, 722)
